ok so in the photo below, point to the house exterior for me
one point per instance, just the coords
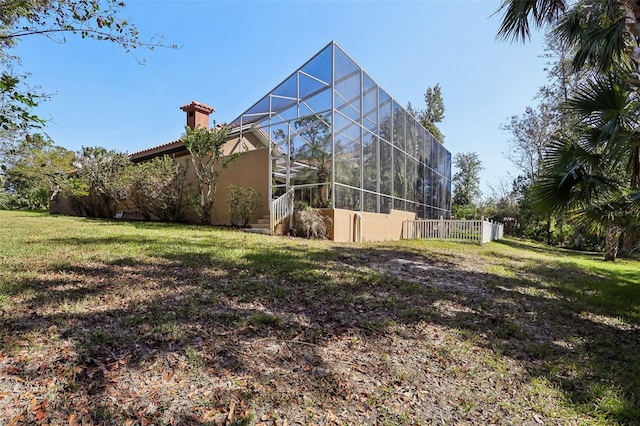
(329, 137)
(249, 170)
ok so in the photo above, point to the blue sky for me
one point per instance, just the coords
(233, 52)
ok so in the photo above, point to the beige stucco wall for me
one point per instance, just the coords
(250, 170)
(375, 226)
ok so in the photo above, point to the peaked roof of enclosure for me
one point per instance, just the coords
(304, 92)
(300, 88)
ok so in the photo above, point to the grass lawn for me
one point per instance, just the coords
(107, 322)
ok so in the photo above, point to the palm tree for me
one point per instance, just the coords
(602, 32)
(517, 14)
(595, 177)
(604, 36)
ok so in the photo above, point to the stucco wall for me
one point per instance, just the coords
(375, 226)
(250, 170)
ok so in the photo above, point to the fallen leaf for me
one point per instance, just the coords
(72, 419)
(209, 415)
(14, 420)
(41, 414)
(232, 407)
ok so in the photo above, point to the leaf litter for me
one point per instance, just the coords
(377, 338)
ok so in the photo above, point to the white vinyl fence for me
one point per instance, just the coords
(481, 231)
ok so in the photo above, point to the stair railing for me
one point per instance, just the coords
(281, 209)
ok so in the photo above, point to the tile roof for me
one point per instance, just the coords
(157, 150)
(198, 105)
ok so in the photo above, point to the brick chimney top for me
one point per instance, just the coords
(197, 114)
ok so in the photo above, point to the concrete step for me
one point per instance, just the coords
(262, 226)
(258, 231)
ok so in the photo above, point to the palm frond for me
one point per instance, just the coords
(598, 31)
(574, 177)
(601, 99)
(609, 112)
(622, 211)
(634, 161)
(518, 13)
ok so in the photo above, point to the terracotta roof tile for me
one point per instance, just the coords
(156, 149)
(198, 105)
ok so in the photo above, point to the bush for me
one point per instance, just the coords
(158, 188)
(242, 202)
(310, 223)
(100, 181)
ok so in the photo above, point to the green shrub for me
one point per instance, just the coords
(158, 188)
(242, 202)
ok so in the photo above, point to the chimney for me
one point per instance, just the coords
(197, 114)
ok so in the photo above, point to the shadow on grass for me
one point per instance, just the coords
(207, 303)
(545, 250)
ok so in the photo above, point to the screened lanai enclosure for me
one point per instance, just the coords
(338, 140)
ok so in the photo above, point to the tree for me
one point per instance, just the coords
(158, 188)
(517, 14)
(16, 101)
(5, 202)
(604, 38)
(35, 170)
(603, 33)
(501, 204)
(434, 112)
(594, 177)
(316, 150)
(207, 156)
(315, 153)
(531, 133)
(94, 19)
(99, 181)
(466, 182)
